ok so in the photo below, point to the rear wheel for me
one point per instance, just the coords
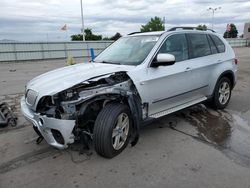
(222, 93)
(112, 130)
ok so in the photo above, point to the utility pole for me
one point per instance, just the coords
(213, 11)
(83, 35)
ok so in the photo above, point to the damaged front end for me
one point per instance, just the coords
(70, 115)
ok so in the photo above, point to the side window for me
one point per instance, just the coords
(219, 44)
(212, 45)
(199, 45)
(177, 46)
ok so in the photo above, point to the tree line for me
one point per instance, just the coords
(154, 24)
(89, 35)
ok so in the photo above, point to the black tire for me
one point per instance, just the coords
(216, 103)
(103, 129)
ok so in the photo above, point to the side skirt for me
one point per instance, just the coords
(177, 108)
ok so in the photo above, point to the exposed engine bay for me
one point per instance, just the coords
(84, 101)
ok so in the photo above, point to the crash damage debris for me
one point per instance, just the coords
(7, 117)
(84, 101)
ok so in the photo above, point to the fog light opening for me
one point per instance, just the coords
(57, 136)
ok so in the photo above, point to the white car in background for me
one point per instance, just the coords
(139, 77)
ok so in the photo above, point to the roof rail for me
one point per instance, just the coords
(134, 33)
(189, 28)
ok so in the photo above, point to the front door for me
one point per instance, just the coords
(169, 86)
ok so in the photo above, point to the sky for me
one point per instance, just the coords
(41, 20)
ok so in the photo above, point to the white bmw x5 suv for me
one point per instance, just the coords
(139, 77)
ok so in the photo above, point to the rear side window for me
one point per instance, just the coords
(199, 45)
(219, 44)
(212, 45)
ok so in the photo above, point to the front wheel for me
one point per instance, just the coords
(222, 93)
(112, 130)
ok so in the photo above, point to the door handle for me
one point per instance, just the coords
(188, 69)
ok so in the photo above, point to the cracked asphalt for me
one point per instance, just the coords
(196, 147)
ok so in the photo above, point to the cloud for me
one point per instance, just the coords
(35, 20)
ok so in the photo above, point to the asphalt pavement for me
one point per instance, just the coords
(196, 147)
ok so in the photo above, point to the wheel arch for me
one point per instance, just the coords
(229, 74)
(133, 101)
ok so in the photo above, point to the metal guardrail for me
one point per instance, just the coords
(238, 42)
(21, 51)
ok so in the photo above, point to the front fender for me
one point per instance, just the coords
(136, 110)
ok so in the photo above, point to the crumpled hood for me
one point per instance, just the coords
(60, 79)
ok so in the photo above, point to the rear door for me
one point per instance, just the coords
(201, 61)
(220, 58)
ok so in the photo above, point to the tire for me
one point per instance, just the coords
(223, 90)
(107, 137)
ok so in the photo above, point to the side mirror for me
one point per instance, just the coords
(164, 60)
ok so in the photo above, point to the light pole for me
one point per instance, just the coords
(83, 36)
(213, 11)
(164, 22)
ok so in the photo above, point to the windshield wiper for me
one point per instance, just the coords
(109, 62)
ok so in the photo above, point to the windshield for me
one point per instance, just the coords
(128, 50)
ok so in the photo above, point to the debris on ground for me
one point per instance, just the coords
(7, 117)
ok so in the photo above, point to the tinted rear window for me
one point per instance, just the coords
(219, 44)
(212, 45)
(199, 45)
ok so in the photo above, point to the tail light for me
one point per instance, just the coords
(236, 61)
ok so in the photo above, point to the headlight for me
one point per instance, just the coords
(31, 97)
